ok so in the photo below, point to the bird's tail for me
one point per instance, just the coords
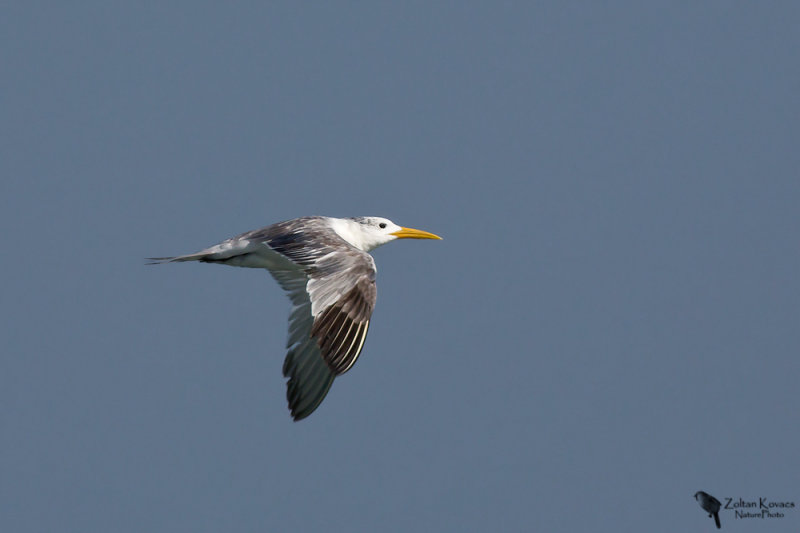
(224, 252)
(199, 256)
(716, 520)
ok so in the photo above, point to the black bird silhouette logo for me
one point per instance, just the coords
(709, 504)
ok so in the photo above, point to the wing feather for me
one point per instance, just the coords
(354, 308)
(309, 380)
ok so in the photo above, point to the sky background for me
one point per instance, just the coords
(611, 323)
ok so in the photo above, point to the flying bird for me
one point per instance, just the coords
(324, 266)
(709, 504)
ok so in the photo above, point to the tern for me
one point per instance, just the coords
(324, 266)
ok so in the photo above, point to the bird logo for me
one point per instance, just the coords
(709, 504)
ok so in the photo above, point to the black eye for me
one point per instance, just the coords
(382, 225)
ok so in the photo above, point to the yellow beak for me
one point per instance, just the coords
(410, 233)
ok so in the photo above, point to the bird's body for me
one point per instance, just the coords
(324, 266)
(710, 505)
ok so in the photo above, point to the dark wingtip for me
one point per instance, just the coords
(299, 406)
(297, 417)
(298, 413)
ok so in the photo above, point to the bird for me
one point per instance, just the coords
(324, 265)
(709, 504)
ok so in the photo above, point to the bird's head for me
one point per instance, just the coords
(367, 233)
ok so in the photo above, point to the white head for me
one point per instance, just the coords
(367, 233)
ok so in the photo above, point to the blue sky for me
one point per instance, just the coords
(609, 325)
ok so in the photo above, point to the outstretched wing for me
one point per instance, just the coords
(332, 288)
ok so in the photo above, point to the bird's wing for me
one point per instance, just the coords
(343, 293)
(332, 288)
(310, 379)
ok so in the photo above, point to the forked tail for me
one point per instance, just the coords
(199, 256)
